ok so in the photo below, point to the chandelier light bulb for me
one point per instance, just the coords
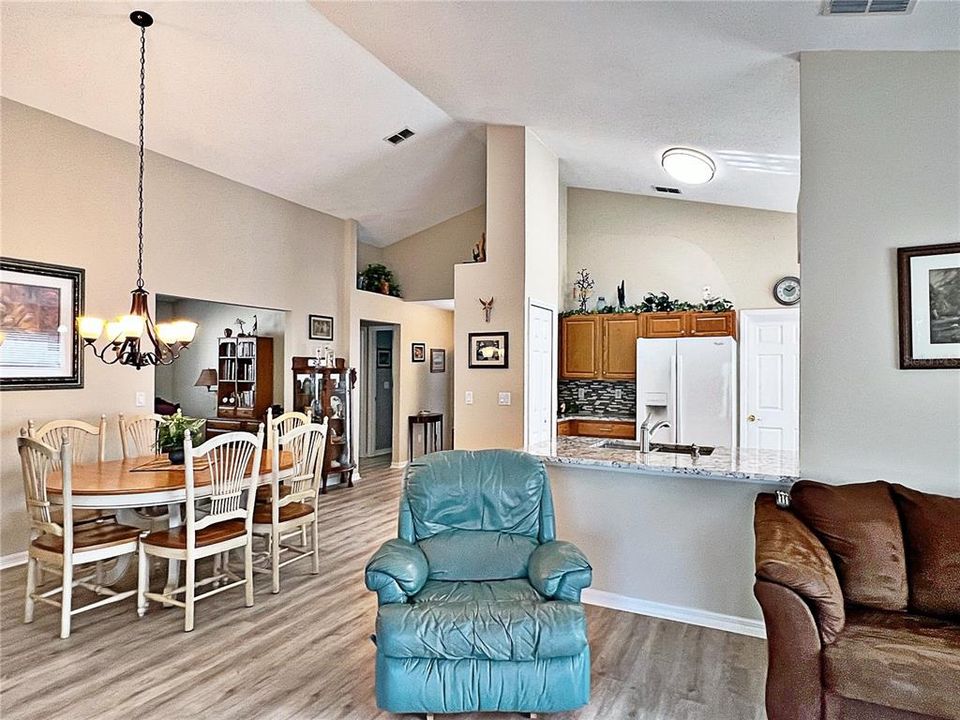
(89, 328)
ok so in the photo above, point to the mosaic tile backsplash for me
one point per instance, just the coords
(599, 397)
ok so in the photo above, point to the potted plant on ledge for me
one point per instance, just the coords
(171, 432)
(378, 279)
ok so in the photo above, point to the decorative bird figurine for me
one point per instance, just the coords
(487, 308)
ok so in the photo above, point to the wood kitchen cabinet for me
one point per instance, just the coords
(618, 339)
(620, 429)
(580, 347)
(663, 324)
(688, 324)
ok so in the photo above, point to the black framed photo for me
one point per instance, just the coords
(928, 279)
(438, 360)
(418, 352)
(488, 350)
(321, 327)
(383, 358)
(39, 305)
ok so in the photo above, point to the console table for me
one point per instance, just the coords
(432, 428)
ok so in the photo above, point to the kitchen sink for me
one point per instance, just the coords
(656, 447)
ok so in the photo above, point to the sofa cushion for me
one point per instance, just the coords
(496, 591)
(496, 490)
(477, 555)
(931, 533)
(515, 631)
(859, 525)
(899, 660)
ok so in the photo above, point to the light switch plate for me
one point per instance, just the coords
(468, 397)
(503, 398)
(141, 399)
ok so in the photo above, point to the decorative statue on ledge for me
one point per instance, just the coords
(622, 295)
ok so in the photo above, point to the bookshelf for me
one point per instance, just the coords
(244, 377)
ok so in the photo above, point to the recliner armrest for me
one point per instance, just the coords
(789, 554)
(559, 571)
(396, 571)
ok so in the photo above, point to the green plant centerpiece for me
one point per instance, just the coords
(171, 432)
(379, 279)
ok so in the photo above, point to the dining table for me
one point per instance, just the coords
(124, 486)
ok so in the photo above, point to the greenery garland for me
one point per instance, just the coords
(659, 302)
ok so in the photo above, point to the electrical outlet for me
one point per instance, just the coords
(503, 398)
(618, 394)
(141, 399)
(468, 397)
(582, 394)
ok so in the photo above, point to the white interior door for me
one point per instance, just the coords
(540, 384)
(770, 379)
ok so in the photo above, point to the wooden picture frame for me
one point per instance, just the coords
(438, 360)
(320, 327)
(418, 352)
(39, 305)
(928, 283)
(488, 350)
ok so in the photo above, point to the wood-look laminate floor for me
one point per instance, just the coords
(305, 653)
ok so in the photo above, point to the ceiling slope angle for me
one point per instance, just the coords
(272, 95)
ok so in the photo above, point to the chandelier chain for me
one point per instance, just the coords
(143, 88)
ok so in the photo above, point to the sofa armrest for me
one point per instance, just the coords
(559, 571)
(789, 554)
(396, 571)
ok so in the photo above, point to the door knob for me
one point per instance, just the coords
(752, 418)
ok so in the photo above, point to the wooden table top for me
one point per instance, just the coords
(116, 477)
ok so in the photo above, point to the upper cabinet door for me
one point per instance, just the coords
(619, 340)
(664, 324)
(580, 347)
(711, 324)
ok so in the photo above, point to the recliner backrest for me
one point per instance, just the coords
(478, 514)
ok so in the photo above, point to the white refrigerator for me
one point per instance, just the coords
(692, 384)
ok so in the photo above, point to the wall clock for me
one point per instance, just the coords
(786, 291)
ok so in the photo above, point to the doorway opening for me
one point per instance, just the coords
(378, 388)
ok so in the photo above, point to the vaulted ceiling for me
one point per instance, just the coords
(295, 98)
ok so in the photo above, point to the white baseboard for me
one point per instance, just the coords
(398, 465)
(12, 560)
(693, 616)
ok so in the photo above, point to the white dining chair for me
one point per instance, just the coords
(59, 546)
(233, 463)
(286, 514)
(138, 435)
(282, 424)
(79, 433)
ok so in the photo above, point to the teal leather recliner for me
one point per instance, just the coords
(479, 604)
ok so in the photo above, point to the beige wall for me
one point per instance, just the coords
(880, 170)
(178, 379)
(423, 263)
(485, 423)
(417, 387)
(69, 197)
(677, 246)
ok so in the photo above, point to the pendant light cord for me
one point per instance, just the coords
(143, 88)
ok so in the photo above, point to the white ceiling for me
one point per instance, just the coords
(276, 95)
(270, 94)
(610, 86)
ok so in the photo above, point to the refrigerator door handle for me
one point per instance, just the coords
(676, 384)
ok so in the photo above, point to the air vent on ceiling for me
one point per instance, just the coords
(668, 190)
(399, 137)
(867, 7)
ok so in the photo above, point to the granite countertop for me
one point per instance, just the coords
(754, 466)
(605, 418)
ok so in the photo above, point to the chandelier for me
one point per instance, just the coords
(134, 339)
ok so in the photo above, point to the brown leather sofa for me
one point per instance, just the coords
(860, 590)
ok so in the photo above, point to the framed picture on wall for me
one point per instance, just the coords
(321, 327)
(929, 292)
(438, 360)
(488, 350)
(39, 344)
(418, 352)
(383, 358)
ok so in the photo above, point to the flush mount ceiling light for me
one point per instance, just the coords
(690, 167)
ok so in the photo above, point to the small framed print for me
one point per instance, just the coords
(418, 352)
(383, 358)
(929, 293)
(321, 327)
(39, 344)
(488, 350)
(438, 360)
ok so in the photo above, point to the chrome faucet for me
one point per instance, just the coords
(647, 432)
